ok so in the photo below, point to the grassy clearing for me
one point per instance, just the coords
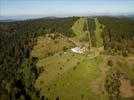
(47, 45)
(98, 31)
(56, 65)
(80, 28)
(69, 77)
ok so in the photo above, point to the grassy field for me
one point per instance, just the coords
(69, 77)
(47, 45)
(98, 31)
(80, 28)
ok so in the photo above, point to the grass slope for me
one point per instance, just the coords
(47, 45)
(69, 77)
(98, 31)
(80, 28)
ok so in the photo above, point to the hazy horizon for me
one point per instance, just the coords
(14, 9)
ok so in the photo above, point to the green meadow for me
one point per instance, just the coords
(69, 77)
(98, 31)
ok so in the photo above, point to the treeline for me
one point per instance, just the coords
(118, 34)
(43, 26)
(17, 67)
(18, 71)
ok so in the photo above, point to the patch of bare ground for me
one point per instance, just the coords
(126, 90)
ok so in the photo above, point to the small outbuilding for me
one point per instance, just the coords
(79, 49)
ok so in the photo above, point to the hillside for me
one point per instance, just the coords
(37, 61)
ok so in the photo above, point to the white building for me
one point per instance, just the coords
(79, 50)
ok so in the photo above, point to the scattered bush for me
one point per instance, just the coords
(65, 48)
(48, 89)
(74, 68)
(110, 63)
(112, 87)
(57, 98)
(41, 82)
(82, 96)
(60, 54)
(68, 59)
(78, 63)
(125, 53)
(60, 68)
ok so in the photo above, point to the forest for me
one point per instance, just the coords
(118, 34)
(18, 71)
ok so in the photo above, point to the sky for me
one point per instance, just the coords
(9, 8)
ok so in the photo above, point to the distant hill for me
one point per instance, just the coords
(7, 20)
(12, 19)
(125, 16)
(131, 16)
